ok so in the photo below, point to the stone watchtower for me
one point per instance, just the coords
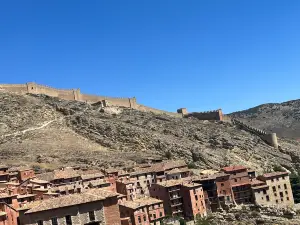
(183, 111)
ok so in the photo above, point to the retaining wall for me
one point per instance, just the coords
(270, 138)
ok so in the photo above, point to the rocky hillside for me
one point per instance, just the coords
(48, 132)
(281, 118)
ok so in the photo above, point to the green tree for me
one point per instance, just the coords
(295, 184)
(208, 220)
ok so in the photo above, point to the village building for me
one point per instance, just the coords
(217, 190)
(142, 211)
(240, 184)
(127, 188)
(96, 206)
(21, 174)
(61, 177)
(8, 205)
(111, 176)
(177, 173)
(279, 192)
(260, 192)
(181, 198)
(4, 175)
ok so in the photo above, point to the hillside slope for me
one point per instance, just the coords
(281, 118)
(50, 132)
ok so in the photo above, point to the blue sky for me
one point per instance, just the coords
(201, 55)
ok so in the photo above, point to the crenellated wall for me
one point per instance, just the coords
(209, 115)
(270, 138)
(71, 94)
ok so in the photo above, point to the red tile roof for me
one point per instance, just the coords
(274, 174)
(255, 182)
(233, 168)
(240, 184)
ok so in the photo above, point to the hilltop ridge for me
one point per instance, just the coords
(281, 118)
(49, 132)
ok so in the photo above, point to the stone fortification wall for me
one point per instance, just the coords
(70, 94)
(157, 111)
(270, 138)
(125, 102)
(209, 115)
(17, 88)
(34, 88)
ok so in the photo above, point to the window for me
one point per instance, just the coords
(274, 188)
(281, 194)
(222, 184)
(145, 219)
(285, 187)
(279, 187)
(262, 198)
(276, 201)
(68, 220)
(265, 192)
(268, 198)
(277, 178)
(54, 221)
(92, 216)
(196, 197)
(139, 219)
(287, 198)
(160, 214)
(286, 192)
(275, 194)
(154, 216)
(235, 180)
(40, 222)
(272, 180)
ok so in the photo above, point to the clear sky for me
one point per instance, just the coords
(201, 55)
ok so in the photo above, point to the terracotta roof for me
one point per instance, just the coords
(233, 168)
(95, 183)
(65, 187)
(92, 176)
(260, 187)
(40, 189)
(5, 195)
(70, 200)
(20, 168)
(240, 184)
(171, 183)
(191, 184)
(177, 170)
(25, 196)
(130, 181)
(111, 170)
(58, 174)
(209, 177)
(274, 174)
(255, 182)
(37, 181)
(141, 202)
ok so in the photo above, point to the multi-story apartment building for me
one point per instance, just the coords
(181, 197)
(217, 190)
(240, 184)
(260, 192)
(94, 207)
(127, 188)
(279, 192)
(142, 211)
